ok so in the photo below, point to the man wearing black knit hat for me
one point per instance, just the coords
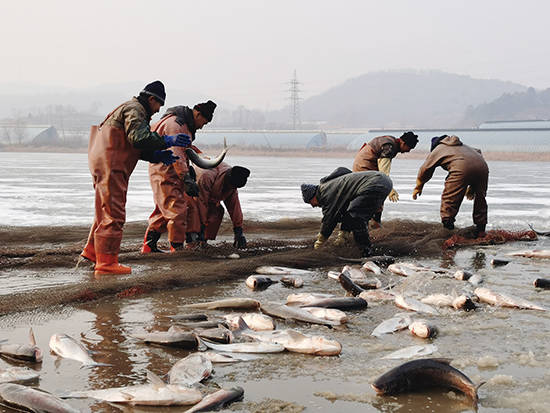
(115, 147)
(349, 198)
(175, 185)
(206, 213)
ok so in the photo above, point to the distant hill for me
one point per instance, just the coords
(398, 99)
(527, 105)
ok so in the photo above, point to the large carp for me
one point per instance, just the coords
(340, 303)
(27, 352)
(396, 323)
(531, 253)
(67, 347)
(206, 163)
(412, 351)
(174, 337)
(292, 313)
(217, 400)
(228, 303)
(17, 375)
(256, 321)
(412, 304)
(418, 375)
(502, 300)
(23, 397)
(190, 370)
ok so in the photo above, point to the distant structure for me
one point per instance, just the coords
(295, 101)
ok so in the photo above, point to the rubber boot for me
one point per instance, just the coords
(176, 246)
(343, 238)
(480, 231)
(362, 239)
(88, 252)
(108, 264)
(150, 243)
(448, 223)
(192, 240)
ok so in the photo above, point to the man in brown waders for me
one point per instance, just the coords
(114, 149)
(468, 175)
(377, 155)
(174, 185)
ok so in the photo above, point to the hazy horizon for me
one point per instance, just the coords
(245, 52)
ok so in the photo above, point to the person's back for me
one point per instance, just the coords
(380, 147)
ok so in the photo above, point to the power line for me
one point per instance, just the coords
(295, 101)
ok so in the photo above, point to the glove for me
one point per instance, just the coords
(181, 139)
(166, 157)
(240, 240)
(418, 190)
(191, 187)
(393, 196)
(470, 194)
(321, 239)
(384, 165)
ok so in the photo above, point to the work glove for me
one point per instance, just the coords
(321, 239)
(418, 189)
(384, 165)
(239, 240)
(166, 157)
(470, 194)
(191, 187)
(393, 196)
(181, 139)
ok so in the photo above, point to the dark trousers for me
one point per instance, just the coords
(358, 214)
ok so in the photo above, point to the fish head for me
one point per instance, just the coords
(389, 383)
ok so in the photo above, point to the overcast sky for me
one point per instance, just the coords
(245, 51)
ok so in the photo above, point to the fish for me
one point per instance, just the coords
(269, 270)
(353, 273)
(445, 300)
(463, 302)
(333, 274)
(190, 370)
(382, 260)
(423, 329)
(258, 282)
(412, 351)
(205, 163)
(340, 303)
(154, 393)
(305, 298)
(407, 269)
(396, 323)
(189, 317)
(402, 270)
(217, 357)
(358, 278)
(253, 347)
(414, 305)
(292, 281)
(67, 347)
(256, 321)
(502, 300)
(34, 400)
(542, 283)
(475, 280)
(370, 266)
(295, 341)
(541, 233)
(174, 337)
(349, 285)
(218, 334)
(462, 275)
(218, 399)
(28, 352)
(331, 314)
(422, 374)
(531, 254)
(17, 375)
(291, 313)
(205, 324)
(499, 261)
(377, 295)
(228, 303)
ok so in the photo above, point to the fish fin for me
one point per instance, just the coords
(154, 379)
(32, 340)
(242, 325)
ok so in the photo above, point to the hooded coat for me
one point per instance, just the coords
(466, 167)
(379, 147)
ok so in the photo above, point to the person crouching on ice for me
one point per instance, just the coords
(205, 213)
(351, 198)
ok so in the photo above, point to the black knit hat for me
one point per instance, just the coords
(206, 109)
(436, 141)
(410, 139)
(238, 175)
(308, 192)
(155, 89)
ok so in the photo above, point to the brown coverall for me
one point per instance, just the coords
(170, 212)
(466, 166)
(380, 147)
(115, 147)
(207, 210)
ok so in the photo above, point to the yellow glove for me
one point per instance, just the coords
(470, 194)
(384, 165)
(321, 239)
(418, 190)
(393, 196)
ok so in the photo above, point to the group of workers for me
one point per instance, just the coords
(188, 199)
(353, 198)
